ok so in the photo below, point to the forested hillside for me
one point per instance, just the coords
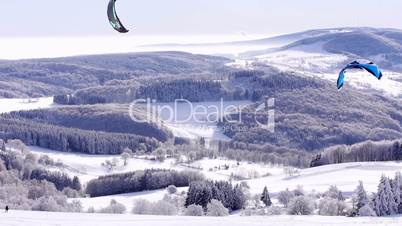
(160, 90)
(310, 114)
(71, 139)
(367, 151)
(113, 118)
(48, 77)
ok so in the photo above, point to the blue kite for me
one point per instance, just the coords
(369, 67)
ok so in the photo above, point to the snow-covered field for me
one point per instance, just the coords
(88, 167)
(9, 105)
(344, 176)
(24, 218)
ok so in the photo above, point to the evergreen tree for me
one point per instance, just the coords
(265, 197)
(361, 197)
(397, 191)
(2, 145)
(76, 184)
(384, 203)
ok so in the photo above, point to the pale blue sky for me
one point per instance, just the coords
(176, 17)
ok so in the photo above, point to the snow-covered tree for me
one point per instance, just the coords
(265, 197)
(366, 211)
(334, 193)
(91, 209)
(360, 198)
(332, 207)
(164, 208)
(216, 209)
(299, 191)
(2, 145)
(125, 156)
(274, 210)
(301, 205)
(384, 202)
(284, 197)
(142, 207)
(194, 210)
(46, 204)
(171, 189)
(114, 208)
(396, 185)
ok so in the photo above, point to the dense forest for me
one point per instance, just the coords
(310, 114)
(48, 77)
(367, 151)
(107, 118)
(202, 192)
(71, 139)
(162, 91)
(141, 180)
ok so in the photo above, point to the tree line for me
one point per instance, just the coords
(108, 118)
(203, 192)
(59, 179)
(26, 185)
(71, 139)
(387, 201)
(162, 91)
(367, 151)
(141, 180)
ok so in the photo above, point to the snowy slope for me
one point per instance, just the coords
(23, 218)
(344, 176)
(314, 61)
(88, 167)
(9, 105)
(185, 120)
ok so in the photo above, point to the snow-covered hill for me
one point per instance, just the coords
(23, 218)
(9, 105)
(325, 55)
(344, 176)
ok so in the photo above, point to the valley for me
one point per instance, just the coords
(67, 134)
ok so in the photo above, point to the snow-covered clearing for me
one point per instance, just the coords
(196, 120)
(9, 105)
(23, 218)
(88, 167)
(345, 176)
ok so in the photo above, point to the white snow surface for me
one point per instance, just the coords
(189, 120)
(31, 218)
(344, 176)
(313, 61)
(9, 105)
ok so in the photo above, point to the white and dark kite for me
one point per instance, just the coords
(113, 18)
(369, 67)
